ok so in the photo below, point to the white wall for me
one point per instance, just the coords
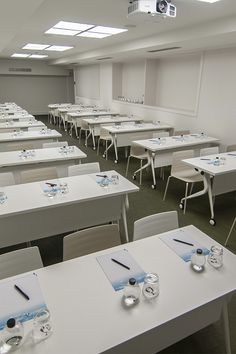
(215, 111)
(35, 89)
(88, 81)
(133, 77)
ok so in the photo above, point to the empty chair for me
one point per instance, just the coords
(209, 151)
(6, 179)
(83, 169)
(20, 261)
(183, 172)
(90, 240)
(155, 224)
(39, 174)
(84, 127)
(182, 132)
(161, 134)
(55, 144)
(231, 148)
(105, 136)
(139, 153)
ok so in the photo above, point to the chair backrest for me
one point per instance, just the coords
(20, 261)
(19, 146)
(209, 151)
(83, 169)
(39, 174)
(6, 179)
(231, 148)
(55, 144)
(177, 163)
(155, 224)
(136, 150)
(104, 134)
(182, 132)
(84, 125)
(10, 130)
(161, 134)
(90, 240)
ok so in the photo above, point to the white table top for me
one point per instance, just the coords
(130, 128)
(12, 158)
(13, 111)
(87, 312)
(205, 163)
(72, 108)
(17, 117)
(119, 119)
(81, 188)
(92, 114)
(57, 105)
(29, 135)
(174, 142)
(22, 124)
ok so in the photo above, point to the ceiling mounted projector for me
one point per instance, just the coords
(152, 7)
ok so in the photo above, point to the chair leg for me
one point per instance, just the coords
(127, 166)
(106, 150)
(191, 188)
(186, 194)
(230, 232)
(167, 185)
(98, 146)
(141, 172)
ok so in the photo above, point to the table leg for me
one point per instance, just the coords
(152, 160)
(142, 168)
(87, 136)
(115, 147)
(124, 219)
(225, 319)
(106, 151)
(93, 138)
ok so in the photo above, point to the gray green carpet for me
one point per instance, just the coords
(148, 201)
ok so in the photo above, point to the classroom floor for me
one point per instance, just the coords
(147, 201)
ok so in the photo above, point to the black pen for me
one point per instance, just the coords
(186, 243)
(51, 184)
(121, 264)
(21, 292)
(104, 176)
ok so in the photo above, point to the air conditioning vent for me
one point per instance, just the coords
(162, 50)
(24, 70)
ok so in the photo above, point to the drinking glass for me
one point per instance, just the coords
(115, 179)
(151, 286)
(215, 257)
(42, 327)
(63, 188)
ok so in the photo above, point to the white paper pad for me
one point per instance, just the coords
(118, 275)
(13, 304)
(182, 250)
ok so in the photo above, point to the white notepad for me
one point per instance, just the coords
(117, 274)
(181, 249)
(13, 304)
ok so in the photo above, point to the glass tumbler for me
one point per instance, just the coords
(115, 179)
(215, 257)
(63, 188)
(42, 327)
(151, 286)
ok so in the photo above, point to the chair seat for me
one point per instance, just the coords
(141, 156)
(188, 176)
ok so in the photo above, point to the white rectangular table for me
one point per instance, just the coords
(22, 125)
(217, 179)
(88, 316)
(160, 150)
(125, 134)
(35, 139)
(12, 161)
(95, 124)
(29, 215)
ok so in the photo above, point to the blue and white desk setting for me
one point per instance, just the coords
(219, 176)
(87, 312)
(160, 150)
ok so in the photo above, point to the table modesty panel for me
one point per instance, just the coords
(78, 292)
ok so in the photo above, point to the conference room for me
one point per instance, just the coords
(117, 177)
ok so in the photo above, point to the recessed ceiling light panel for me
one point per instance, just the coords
(73, 26)
(19, 55)
(59, 48)
(63, 32)
(209, 1)
(90, 34)
(38, 56)
(35, 46)
(110, 30)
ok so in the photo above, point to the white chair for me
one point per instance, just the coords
(209, 151)
(55, 144)
(183, 172)
(90, 240)
(230, 231)
(6, 179)
(231, 148)
(84, 127)
(106, 137)
(83, 169)
(155, 224)
(39, 174)
(20, 261)
(182, 132)
(139, 153)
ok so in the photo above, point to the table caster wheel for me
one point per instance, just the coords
(104, 155)
(116, 161)
(181, 206)
(134, 177)
(154, 186)
(94, 148)
(212, 222)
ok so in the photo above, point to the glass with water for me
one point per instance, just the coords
(151, 286)
(42, 326)
(215, 257)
